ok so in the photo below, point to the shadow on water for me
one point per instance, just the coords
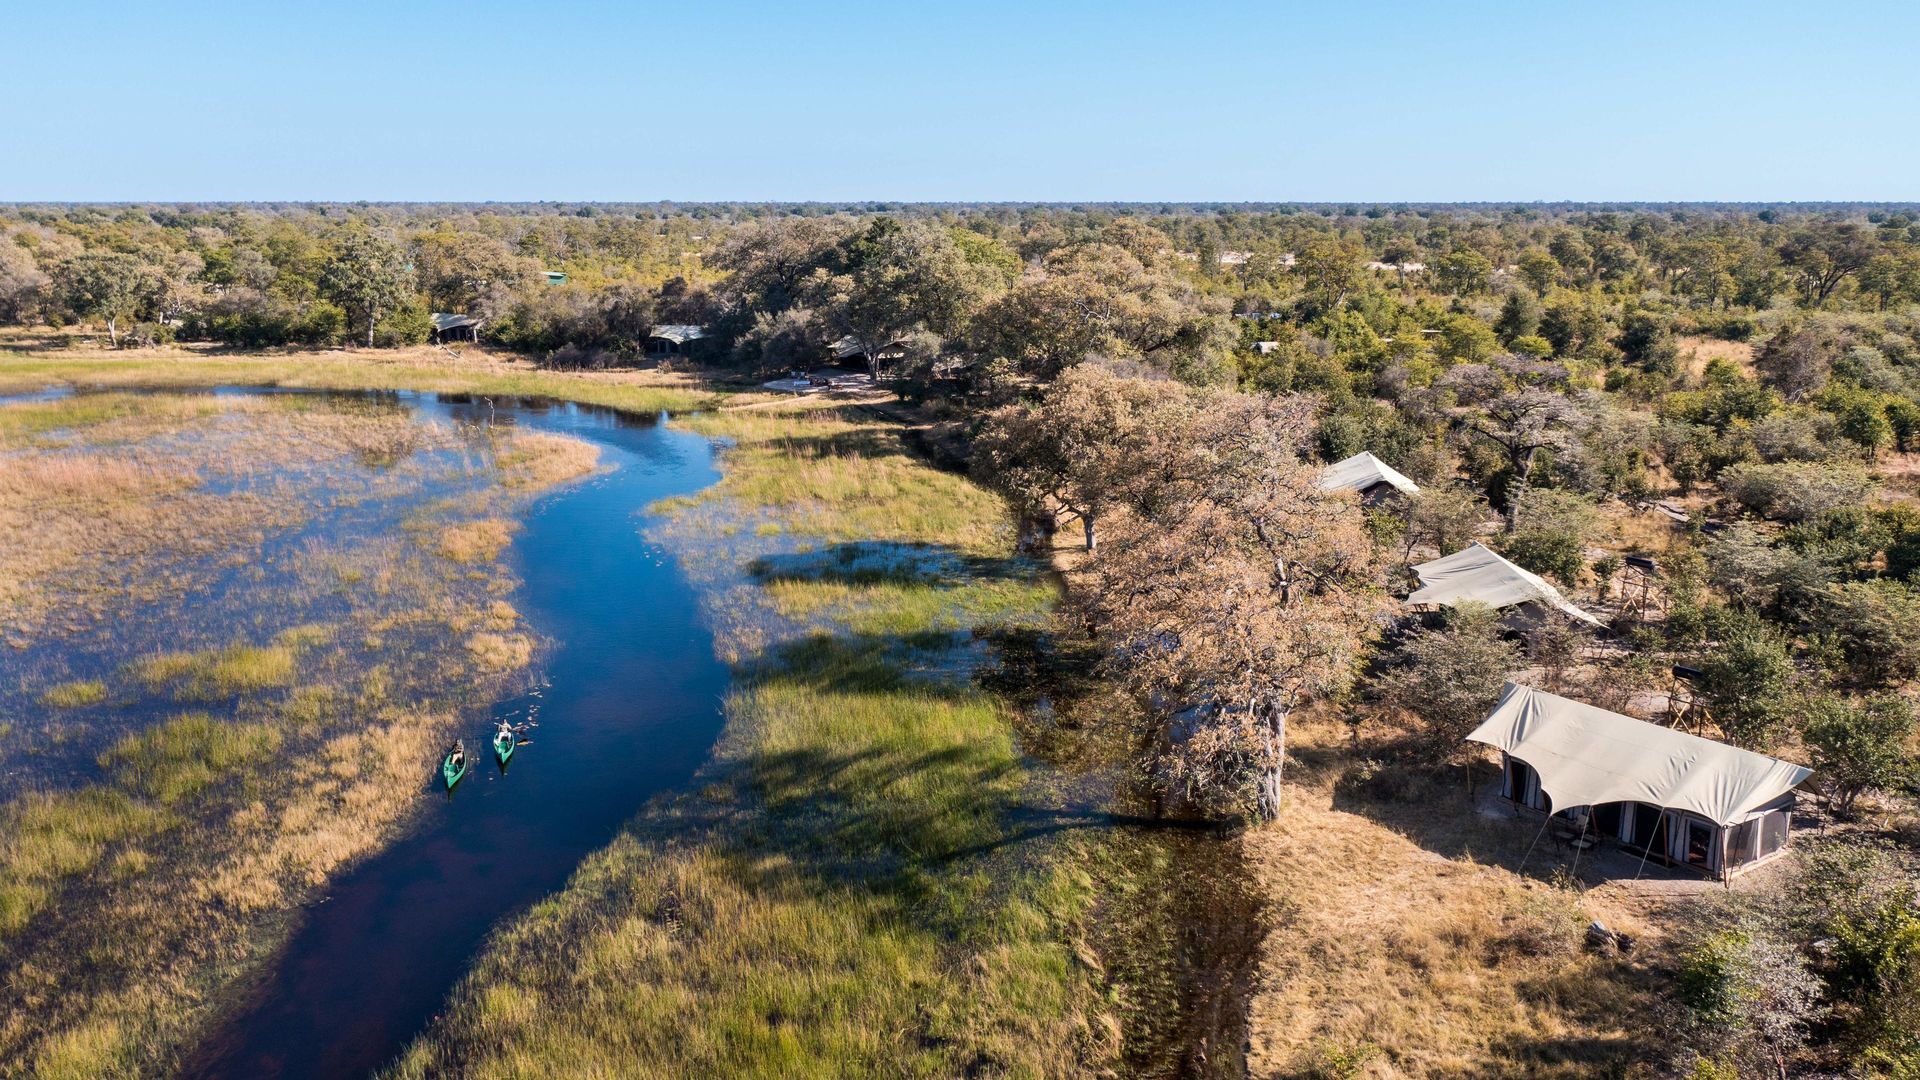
(1180, 920)
(630, 707)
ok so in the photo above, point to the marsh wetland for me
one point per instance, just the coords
(239, 627)
(812, 781)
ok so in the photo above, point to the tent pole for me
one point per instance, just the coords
(1656, 833)
(1536, 840)
(1575, 871)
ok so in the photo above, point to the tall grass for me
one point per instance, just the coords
(24, 423)
(129, 906)
(211, 674)
(184, 756)
(45, 837)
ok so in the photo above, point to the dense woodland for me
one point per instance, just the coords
(1166, 381)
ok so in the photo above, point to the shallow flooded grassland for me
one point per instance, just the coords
(421, 368)
(234, 628)
(905, 857)
(872, 877)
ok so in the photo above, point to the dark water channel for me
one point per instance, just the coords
(630, 707)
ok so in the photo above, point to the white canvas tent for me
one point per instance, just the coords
(1362, 473)
(1478, 573)
(1707, 804)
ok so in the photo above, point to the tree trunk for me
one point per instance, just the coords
(113, 335)
(1086, 527)
(369, 326)
(1276, 756)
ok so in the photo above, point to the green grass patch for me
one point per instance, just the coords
(74, 695)
(29, 422)
(836, 474)
(46, 837)
(212, 674)
(187, 754)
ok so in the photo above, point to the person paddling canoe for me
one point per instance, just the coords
(454, 766)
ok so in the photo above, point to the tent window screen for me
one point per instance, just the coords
(1773, 831)
(1743, 842)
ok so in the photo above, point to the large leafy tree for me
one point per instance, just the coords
(368, 275)
(899, 277)
(108, 285)
(459, 271)
(1823, 256)
(1240, 590)
(1100, 299)
(22, 284)
(1079, 452)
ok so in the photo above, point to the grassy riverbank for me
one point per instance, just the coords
(848, 891)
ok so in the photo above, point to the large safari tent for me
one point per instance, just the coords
(1663, 794)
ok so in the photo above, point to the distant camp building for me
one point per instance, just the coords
(1478, 574)
(873, 354)
(673, 338)
(1372, 478)
(451, 327)
(1663, 794)
(555, 277)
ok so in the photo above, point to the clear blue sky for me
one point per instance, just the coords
(989, 100)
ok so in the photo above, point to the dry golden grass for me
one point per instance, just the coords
(497, 653)
(1696, 352)
(1400, 951)
(475, 541)
(534, 459)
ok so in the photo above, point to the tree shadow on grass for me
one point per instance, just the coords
(881, 562)
(868, 438)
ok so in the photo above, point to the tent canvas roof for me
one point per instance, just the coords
(1478, 573)
(1362, 471)
(1587, 755)
(679, 333)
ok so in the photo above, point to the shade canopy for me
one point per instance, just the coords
(1362, 471)
(1586, 756)
(1478, 573)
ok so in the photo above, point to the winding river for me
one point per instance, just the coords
(630, 707)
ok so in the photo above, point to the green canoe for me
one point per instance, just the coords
(454, 765)
(503, 743)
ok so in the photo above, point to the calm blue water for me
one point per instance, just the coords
(631, 707)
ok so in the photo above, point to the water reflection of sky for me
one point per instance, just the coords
(333, 513)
